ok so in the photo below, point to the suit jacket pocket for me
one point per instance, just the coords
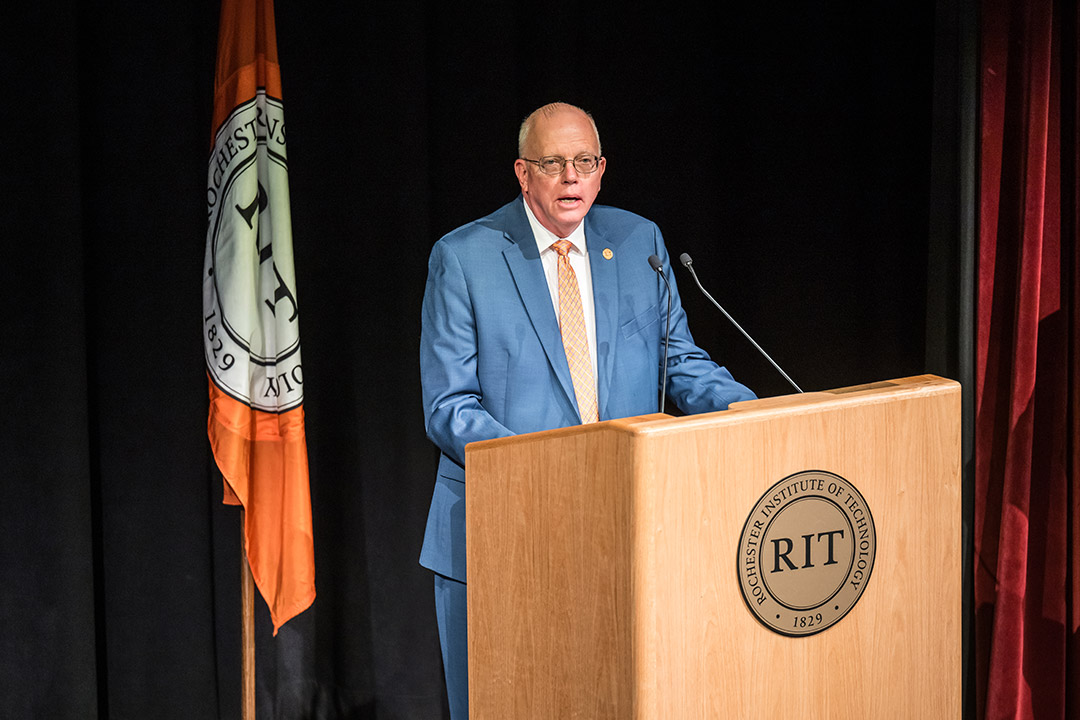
(642, 321)
(450, 469)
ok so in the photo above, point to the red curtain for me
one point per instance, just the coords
(1027, 471)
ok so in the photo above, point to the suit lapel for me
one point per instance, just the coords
(523, 259)
(605, 282)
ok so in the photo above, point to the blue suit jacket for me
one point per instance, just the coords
(492, 361)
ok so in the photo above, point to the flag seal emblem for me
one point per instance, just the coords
(252, 336)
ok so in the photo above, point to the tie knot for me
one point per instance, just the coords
(562, 246)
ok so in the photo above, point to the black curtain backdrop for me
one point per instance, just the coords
(786, 147)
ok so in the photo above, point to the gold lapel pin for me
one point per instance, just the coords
(608, 254)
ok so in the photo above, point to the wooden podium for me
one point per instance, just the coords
(605, 562)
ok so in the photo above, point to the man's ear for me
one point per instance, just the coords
(521, 169)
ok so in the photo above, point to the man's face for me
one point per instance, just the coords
(560, 201)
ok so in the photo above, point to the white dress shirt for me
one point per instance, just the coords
(579, 261)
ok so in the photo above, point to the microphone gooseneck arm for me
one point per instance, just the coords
(658, 266)
(688, 264)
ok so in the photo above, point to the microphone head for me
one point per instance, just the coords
(685, 260)
(654, 263)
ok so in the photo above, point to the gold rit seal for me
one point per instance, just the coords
(806, 553)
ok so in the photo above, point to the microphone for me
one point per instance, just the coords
(688, 263)
(658, 266)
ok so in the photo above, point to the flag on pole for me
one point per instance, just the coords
(250, 321)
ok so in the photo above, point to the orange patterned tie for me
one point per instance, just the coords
(575, 341)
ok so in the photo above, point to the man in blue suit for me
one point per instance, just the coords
(496, 356)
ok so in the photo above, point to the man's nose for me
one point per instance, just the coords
(570, 173)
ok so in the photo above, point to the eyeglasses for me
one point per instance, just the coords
(553, 164)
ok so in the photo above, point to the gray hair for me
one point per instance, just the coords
(547, 111)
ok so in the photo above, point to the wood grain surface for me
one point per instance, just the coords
(602, 575)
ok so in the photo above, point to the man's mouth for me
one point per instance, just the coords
(569, 200)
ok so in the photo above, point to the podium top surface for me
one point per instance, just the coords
(754, 410)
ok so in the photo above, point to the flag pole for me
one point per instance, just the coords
(247, 631)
